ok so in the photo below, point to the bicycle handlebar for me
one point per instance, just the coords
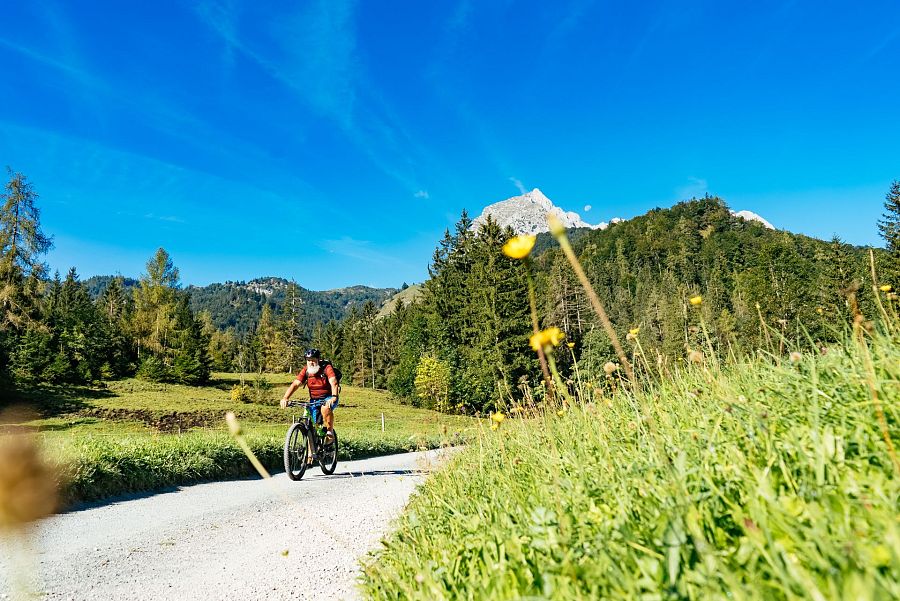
(315, 403)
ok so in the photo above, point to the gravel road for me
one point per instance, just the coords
(245, 539)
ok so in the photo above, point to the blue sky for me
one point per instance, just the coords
(333, 142)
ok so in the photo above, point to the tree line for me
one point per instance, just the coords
(463, 346)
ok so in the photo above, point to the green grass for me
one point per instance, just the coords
(768, 481)
(132, 435)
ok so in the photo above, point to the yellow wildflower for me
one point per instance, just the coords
(696, 300)
(634, 331)
(561, 412)
(570, 344)
(820, 310)
(519, 246)
(497, 417)
(494, 426)
(544, 338)
(886, 288)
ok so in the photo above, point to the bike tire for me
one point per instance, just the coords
(296, 451)
(328, 456)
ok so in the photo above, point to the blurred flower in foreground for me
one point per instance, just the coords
(556, 226)
(544, 338)
(27, 483)
(519, 246)
(497, 417)
(695, 357)
(610, 368)
(696, 300)
(886, 288)
(795, 357)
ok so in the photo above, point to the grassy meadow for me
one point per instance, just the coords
(769, 479)
(132, 435)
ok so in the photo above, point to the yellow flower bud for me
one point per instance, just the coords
(696, 300)
(556, 226)
(233, 425)
(886, 288)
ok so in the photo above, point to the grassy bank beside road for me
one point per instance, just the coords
(773, 480)
(131, 436)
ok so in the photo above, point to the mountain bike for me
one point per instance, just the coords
(307, 435)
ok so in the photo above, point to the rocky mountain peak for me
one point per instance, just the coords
(527, 214)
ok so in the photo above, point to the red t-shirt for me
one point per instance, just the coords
(319, 385)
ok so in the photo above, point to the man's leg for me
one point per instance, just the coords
(328, 417)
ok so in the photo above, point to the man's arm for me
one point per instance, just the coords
(290, 390)
(334, 385)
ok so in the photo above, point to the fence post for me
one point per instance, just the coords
(382, 422)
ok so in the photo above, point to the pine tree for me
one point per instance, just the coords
(22, 243)
(889, 227)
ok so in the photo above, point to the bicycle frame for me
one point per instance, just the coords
(312, 413)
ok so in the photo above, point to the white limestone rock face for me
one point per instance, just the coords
(527, 214)
(751, 216)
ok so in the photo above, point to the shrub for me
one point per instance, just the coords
(433, 383)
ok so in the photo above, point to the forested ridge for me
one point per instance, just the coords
(464, 346)
(239, 305)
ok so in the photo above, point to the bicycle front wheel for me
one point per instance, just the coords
(328, 456)
(296, 451)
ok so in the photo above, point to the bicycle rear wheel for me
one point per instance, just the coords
(328, 455)
(296, 451)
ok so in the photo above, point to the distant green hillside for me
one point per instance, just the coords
(407, 296)
(238, 305)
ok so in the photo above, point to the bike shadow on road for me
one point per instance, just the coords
(377, 473)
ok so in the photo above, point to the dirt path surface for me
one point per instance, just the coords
(246, 539)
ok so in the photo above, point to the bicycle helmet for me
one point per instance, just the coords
(312, 353)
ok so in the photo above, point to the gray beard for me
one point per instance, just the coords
(311, 371)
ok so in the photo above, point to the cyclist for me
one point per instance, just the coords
(322, 384)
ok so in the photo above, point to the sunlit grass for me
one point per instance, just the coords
(765, 480)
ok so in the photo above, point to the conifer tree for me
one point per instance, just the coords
(889, 227)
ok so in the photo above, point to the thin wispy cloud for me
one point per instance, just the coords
(145, 107)
(518, 184)
(361, 250)
(168, 218)
(695, 188)
(450, 84)
(313, 54)
(422, 194)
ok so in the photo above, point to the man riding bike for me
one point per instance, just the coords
(323, 386)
